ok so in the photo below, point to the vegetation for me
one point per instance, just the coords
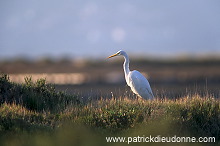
(38, 96)
(34, 113)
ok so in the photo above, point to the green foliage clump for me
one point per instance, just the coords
(38, 96)
(199, 115)
(118, 114)
(16, 118)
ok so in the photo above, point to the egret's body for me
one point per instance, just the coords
(137, 82)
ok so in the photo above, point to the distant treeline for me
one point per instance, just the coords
(135, 60)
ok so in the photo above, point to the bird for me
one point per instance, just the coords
(134, 79)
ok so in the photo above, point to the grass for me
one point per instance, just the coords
(34, 113)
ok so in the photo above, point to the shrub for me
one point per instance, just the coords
(38, 96)
(15, 118)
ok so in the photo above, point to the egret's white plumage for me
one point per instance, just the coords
(138, 83)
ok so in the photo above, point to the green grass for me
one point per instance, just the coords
(34, 113)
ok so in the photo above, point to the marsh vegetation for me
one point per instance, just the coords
(35, 113)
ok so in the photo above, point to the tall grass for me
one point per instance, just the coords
(43, 116)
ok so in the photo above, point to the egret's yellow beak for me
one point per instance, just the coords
(113, 55)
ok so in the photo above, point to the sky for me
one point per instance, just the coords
(97, 29)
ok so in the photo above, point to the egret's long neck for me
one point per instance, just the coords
(126, 65)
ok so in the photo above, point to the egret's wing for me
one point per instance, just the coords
(140, 85)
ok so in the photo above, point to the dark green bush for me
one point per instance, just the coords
(15, 118)
(38, 96)
(199, 116)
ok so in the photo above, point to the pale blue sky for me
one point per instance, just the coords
(85, 28)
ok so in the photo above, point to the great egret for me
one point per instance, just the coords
(137, 82)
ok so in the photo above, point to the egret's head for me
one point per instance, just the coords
(117, 54)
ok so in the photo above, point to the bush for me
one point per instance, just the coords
(38, 96)
(15, 118)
